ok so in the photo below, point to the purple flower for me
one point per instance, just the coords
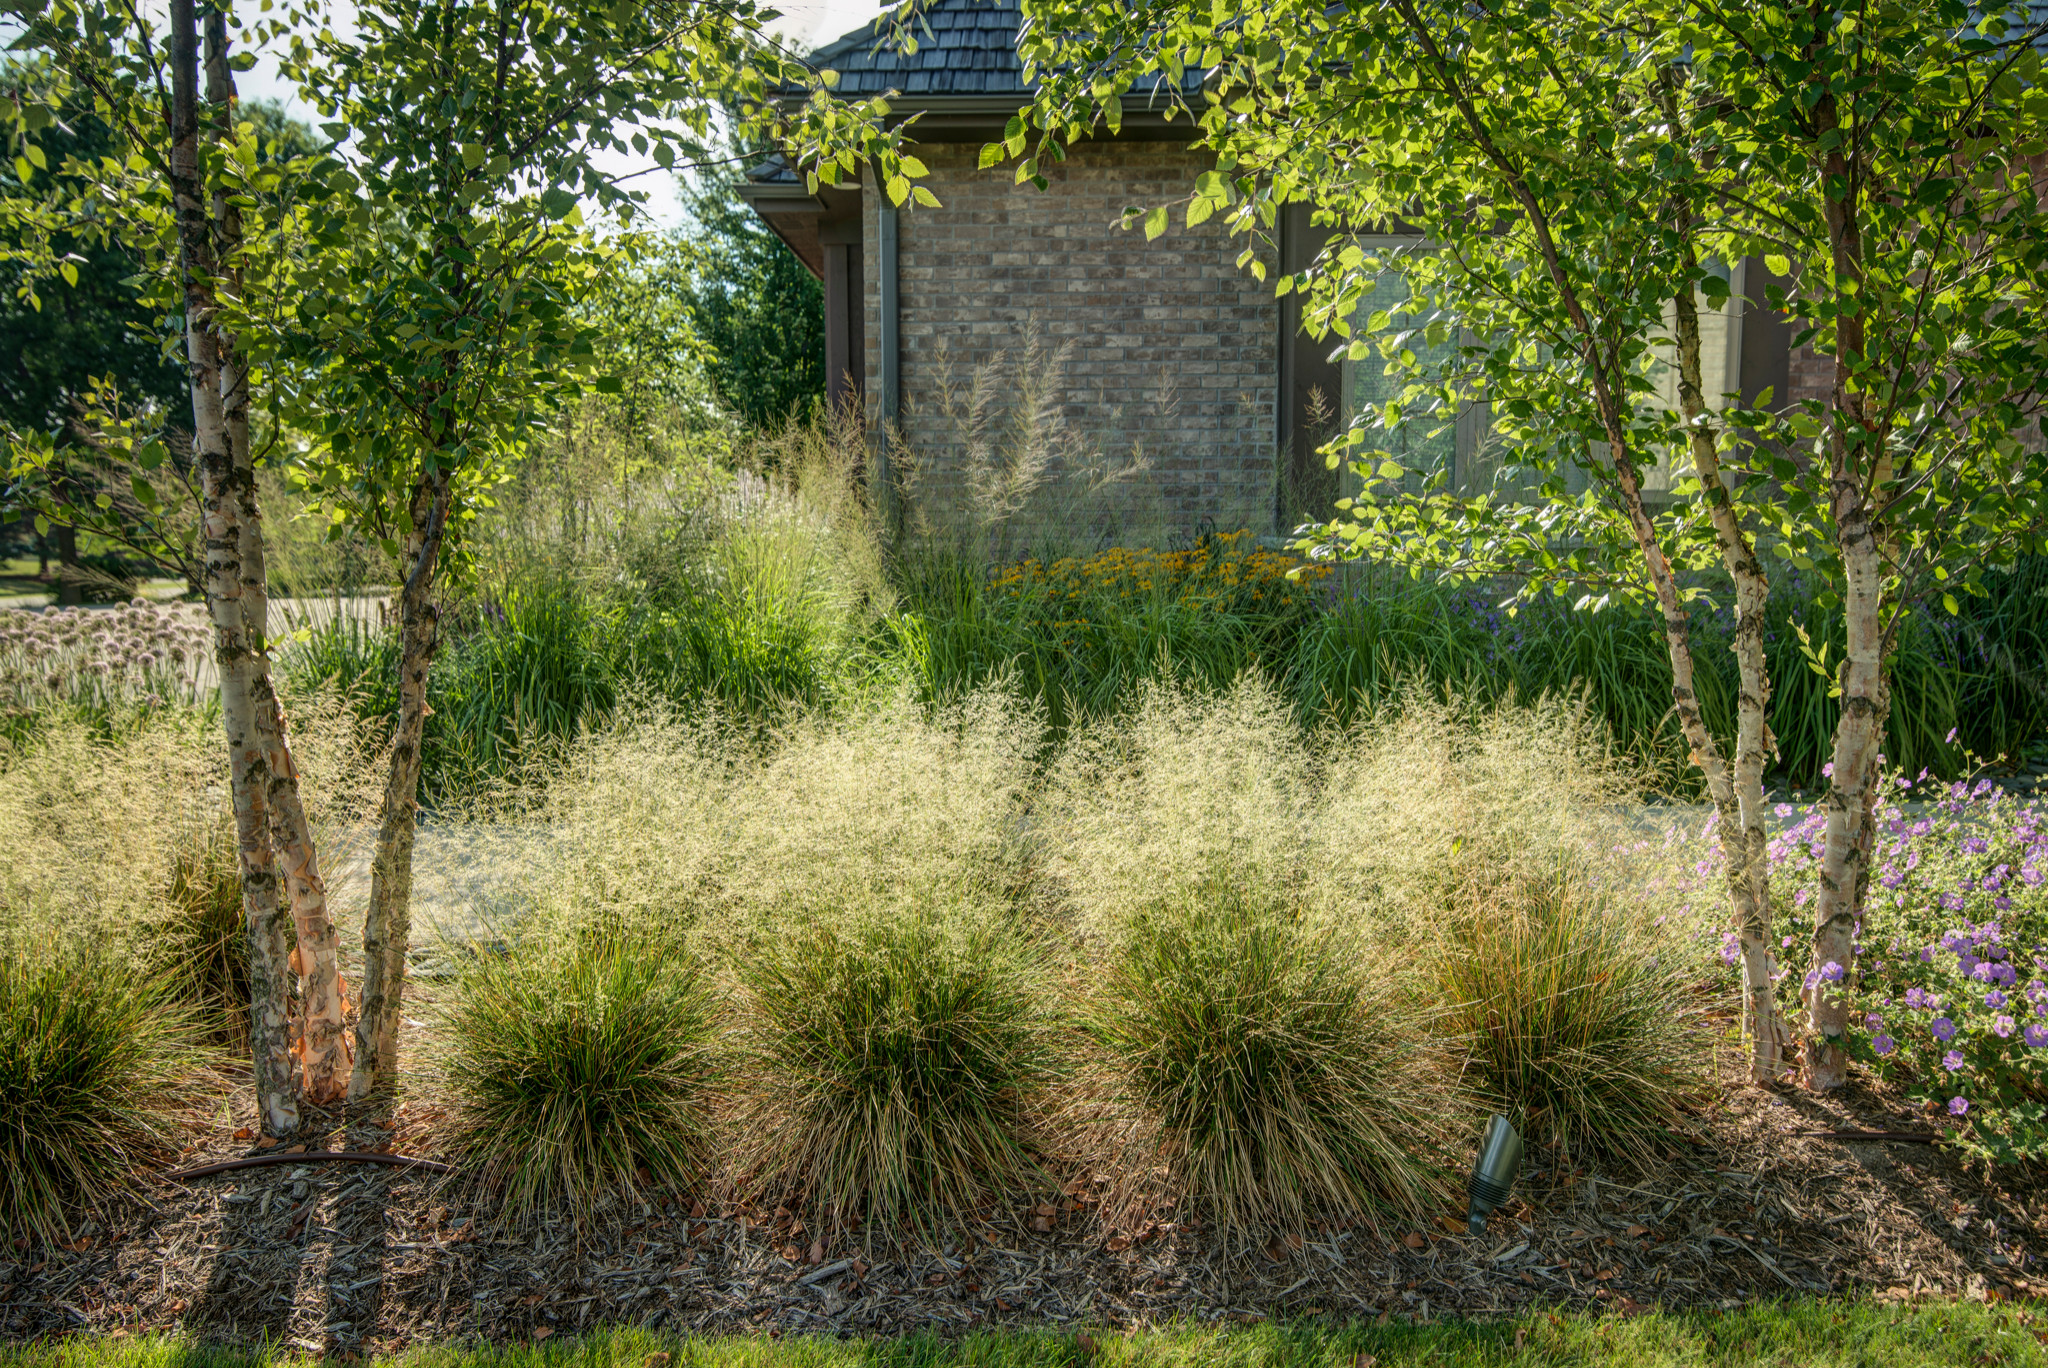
(1958, 1105)
(1802, 897)
(1952, 901)
(2002, 903)
(1916, 997)
(1731, 947)
(1874, 1021)
(1884, 1044)
(1975, 845)
(1832, 972)
(2035, 1036)
(1944, 1029)
(2001, 1026)
(1994, 999)
(1952, 1061)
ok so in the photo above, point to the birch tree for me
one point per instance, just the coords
(1522, 172)
(1576, 171)
(1891, 162)
(437, 311)
(173, 190)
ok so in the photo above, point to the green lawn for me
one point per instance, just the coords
(1790, 1335)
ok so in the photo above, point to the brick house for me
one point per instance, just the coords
(1165, 348)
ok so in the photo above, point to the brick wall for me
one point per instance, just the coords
(1165, 346)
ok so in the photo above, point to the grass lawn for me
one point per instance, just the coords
(1782, 1335)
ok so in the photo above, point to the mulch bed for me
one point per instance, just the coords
(347, 1257)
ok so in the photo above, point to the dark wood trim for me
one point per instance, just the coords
(1304, 488)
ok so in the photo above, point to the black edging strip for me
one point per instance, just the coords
(307, 1157)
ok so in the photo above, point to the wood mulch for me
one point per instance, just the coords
(347, 1257)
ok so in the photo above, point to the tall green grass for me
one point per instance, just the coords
(94, 1066)
(1572, 1022)
(583, 1072)
(893, 1065)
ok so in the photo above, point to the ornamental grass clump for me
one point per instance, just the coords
(582, 1072)
(893, 1065)
(1253, 1052)
(1574, 1018)
(1273, 1070)
(97, 1067)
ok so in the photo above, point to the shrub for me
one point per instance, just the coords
(1272, 1068)
(892, 1063)
(1577, 1024)
(95, 1065)
(581, 1072)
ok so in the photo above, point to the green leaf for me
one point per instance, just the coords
(924, 197)
(608, 384)
(1948, 601)
(1155, 223)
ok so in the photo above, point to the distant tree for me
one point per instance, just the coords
(757, 306)
(54, 347)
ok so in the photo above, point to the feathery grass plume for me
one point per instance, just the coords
(887, 808)
(97, 1063)
(1187, 793)
(1576, 1018)
(1430, 787)
(892, 1065)
(580, 1068)
(1250, 1042)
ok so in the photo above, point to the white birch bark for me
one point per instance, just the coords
(1855, 454)
(1741, 801)
(248, 758)
(321, 1033)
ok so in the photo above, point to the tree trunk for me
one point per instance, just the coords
(1742, 821)
(389, 923)
(235, 655)
(1855, 451)
(70, 592)
(322, 1030)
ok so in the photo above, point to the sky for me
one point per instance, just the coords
(805, 23)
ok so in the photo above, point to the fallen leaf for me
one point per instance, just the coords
(243, 1133)
(1041, 1224)
(295, 1149)
(1118, 1244)
(1638, 1230)
(1451, 1224)
(1085, 1342)
(1521, 1338)
(269, 1142)
(935, 1280)
(1293, 1240)
(81, 1244)
(696, 1211)
(858, 1269)
(658, 1360)
(1603, 1275)
(817, 1251)
(542, 1332)
(1361, 1359)
(1415, 1239)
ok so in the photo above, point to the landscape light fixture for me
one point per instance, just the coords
(1500, 1156)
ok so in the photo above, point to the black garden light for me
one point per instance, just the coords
(1500, 1156)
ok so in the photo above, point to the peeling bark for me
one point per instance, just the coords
(1742, 810)
(389, 922)
(1853, 445)
(234, 653)
(319, 1029)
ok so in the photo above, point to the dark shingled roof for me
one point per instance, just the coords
(971, 49)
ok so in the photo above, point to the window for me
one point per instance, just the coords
(1425, 443)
